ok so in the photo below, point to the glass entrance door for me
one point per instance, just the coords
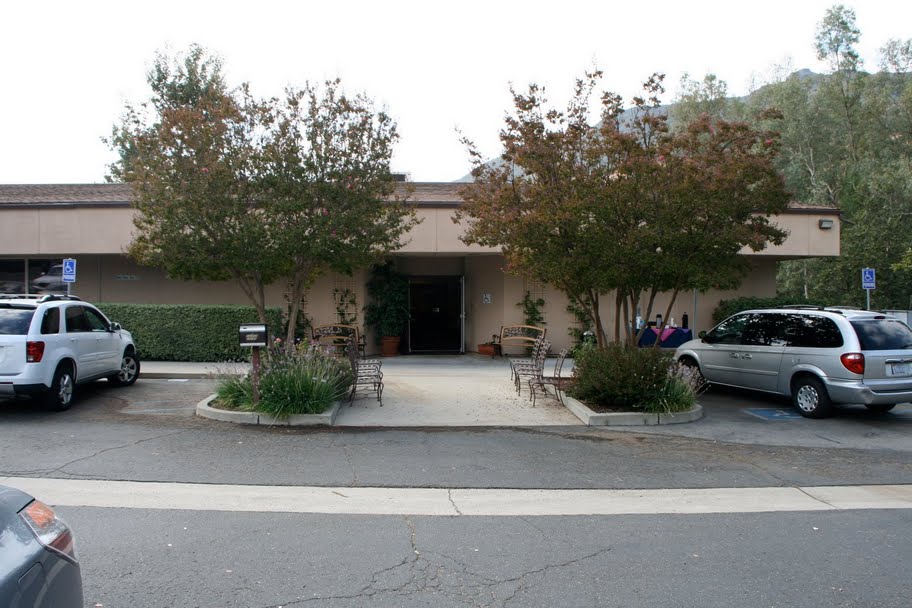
(436, 308)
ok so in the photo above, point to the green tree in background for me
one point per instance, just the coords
(228, 186)
(626, 206)
(847, 143)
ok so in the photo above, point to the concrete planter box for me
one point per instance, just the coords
(591, 418)
(327, 418)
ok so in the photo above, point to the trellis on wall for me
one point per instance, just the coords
(533, 303)
(345, 301)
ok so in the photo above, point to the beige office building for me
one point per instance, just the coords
(459, 293)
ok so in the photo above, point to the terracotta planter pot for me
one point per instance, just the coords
(389, 346)
(487, 349)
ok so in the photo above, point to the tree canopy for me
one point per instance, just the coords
(228, 186)
(847, 143)
(625, 206)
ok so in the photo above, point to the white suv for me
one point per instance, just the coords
(48, 344)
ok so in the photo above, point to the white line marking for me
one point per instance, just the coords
(454, 502)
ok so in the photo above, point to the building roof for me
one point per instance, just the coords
(424, 194)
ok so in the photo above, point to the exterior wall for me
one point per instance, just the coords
(65, 231)
(97, 235)
(805, 236)
(437, 233)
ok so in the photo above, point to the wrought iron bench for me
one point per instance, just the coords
(520, 335)
(367, 374)
(335, 337)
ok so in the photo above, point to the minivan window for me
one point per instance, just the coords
(766, 329)
(883, 334)
(728, 331)
(15, 321)
(812, 331)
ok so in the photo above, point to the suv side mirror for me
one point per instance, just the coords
(702, 335)
(115, 326)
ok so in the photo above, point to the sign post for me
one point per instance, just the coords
(868, 282)
(69, 273)
(254, 335)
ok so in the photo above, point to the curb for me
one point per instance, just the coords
(590, 418)
(327, 418)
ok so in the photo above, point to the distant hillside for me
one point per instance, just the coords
(802, 74)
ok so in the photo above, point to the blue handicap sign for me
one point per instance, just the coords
(69, 270)
(773, 413)
(868, 278)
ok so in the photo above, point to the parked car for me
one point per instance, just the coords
(49, 344)
(816, 356)
(51, 280)
(38, 563)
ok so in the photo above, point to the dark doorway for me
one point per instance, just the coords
(436, 307)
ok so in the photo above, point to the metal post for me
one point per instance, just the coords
(256, 375)
(868, 293)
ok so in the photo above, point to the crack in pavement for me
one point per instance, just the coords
(435, 573)
(49, 472)
(453, 502)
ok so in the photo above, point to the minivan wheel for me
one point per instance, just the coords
(811, 398)
(129, 370)
(880, 408)
(694, 369)
(60, 396)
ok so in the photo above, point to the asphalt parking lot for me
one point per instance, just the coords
(732, 416)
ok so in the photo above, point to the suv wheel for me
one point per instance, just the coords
(60, 396)
(810, 397)
(129, 370)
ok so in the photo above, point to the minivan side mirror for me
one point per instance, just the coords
(115, 326)
(702, 335)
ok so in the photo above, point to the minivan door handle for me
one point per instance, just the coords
(733, 355)
(746, 356)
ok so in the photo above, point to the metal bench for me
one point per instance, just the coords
(336, 336)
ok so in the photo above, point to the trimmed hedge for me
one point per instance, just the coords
(188, 332)
(727, 308)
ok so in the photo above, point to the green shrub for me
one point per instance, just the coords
(637, 378)
(619, 375)
(188, 332)
(676, 395)
(727, 308)
(306, 381)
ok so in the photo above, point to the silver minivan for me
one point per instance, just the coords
(816, 356)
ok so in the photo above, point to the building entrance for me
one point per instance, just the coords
(436, 306)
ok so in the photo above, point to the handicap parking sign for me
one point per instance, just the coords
(69, 270)
(868, 278)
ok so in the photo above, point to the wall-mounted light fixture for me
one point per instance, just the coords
(825, 224)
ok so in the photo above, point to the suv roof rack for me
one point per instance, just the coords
(802, 307)
(44, 297)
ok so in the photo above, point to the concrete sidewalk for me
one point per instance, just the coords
(421, 391)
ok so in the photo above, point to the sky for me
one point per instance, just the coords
(439, 68)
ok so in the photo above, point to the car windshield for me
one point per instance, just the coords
(15, 321)
(883, 334)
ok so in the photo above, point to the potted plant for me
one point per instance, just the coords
(387, 310)
(490, 348)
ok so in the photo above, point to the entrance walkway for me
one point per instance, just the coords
(452, 390)
(424, 391)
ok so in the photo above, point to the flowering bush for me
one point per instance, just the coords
(304, 380)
